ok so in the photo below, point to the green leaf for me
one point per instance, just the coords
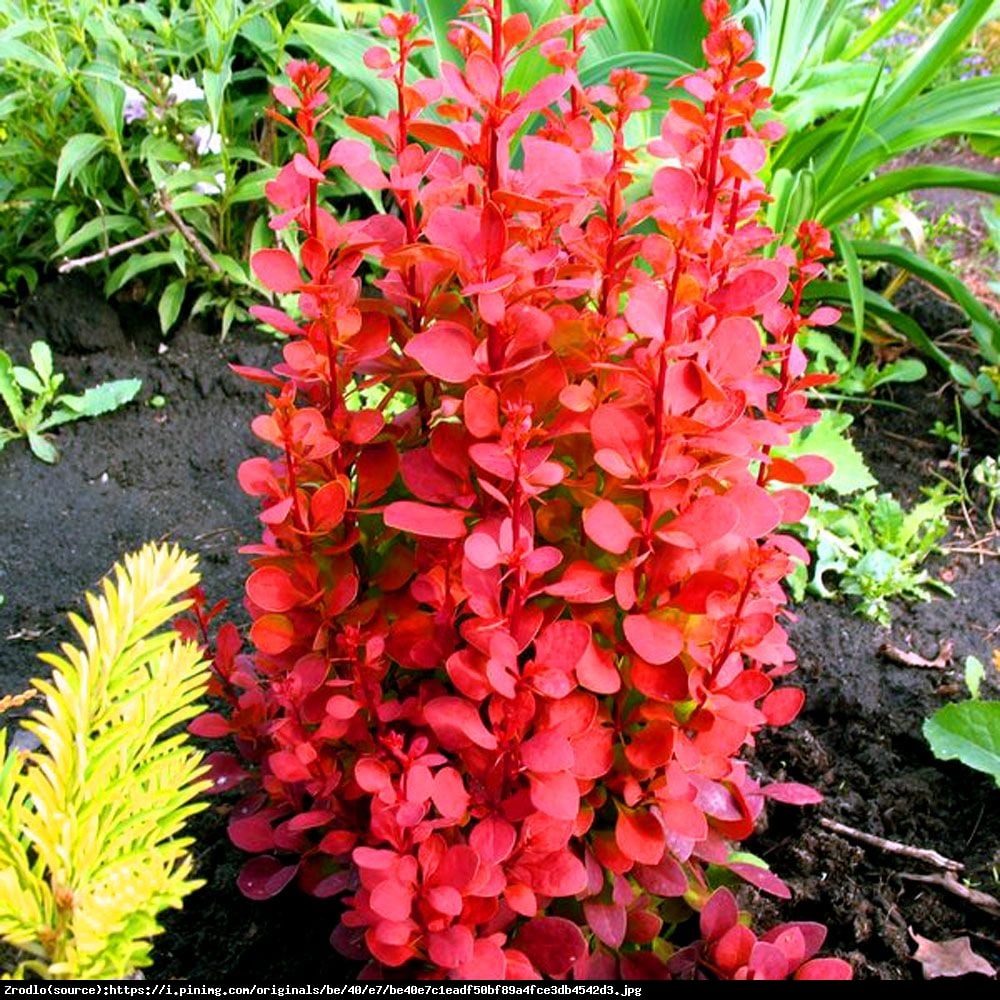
(42, 448)
(988, 333)
(920, 70)
(134, 266)
(75, 155)
(855, 288)
(28, 380)
(968, 731)
(170, 303)
(41, 358)
(843, 204)
(828, 437)
(251, 187)
(14, 51)
(93, 402)
(879, 28)
(10, 393)
(214, 83)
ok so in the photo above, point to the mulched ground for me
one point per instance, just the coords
(169, 473)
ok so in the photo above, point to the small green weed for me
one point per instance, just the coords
(35, 404)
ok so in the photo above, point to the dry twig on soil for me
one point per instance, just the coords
(948, 882)
(893, 846)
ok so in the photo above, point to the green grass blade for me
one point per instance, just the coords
(895, 182)
(677, 28)
(828, 174)
(879, 28)
(920, 70)
(855, 289)
(875, 305)
(944, 281)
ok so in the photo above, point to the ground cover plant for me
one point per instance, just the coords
(517, 604)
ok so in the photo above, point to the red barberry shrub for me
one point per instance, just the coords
(516, 607)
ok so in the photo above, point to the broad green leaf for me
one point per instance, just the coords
(968, 731)
(93, 402)
(677, 28)
(170, 303)
(75, 155)
(437, 15)
(824, 90)
(28, 380)
(251, 187)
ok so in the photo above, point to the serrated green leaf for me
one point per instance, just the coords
(93, 402)
(828, 437)
(28, 380)
(75, 155)
(10, 393)
(968, 731)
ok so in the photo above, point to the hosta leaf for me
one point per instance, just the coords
(968, 731)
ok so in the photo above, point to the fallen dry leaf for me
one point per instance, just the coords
(949, 958)
(910, 659)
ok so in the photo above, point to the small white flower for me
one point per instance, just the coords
(134, 109)
(206, 187)
(182, 90)
(206, 140)
(184, 166)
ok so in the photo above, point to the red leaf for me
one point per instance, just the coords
(555, 795)
(277, 270)
(449, 794)
(451, 947)
(830, 968)
(328, 506)
(718, 915)
(665, 879)
(422, 519)
(552, 944)
(493, 840)
(640, 836)
(252, 833)
(762, 879)
(607, 921)
(457, 724)
(792, 793)
(445, 351)
(783, 705)
(547, 752)
(608, 527)
(272, 634)
(655, 640)
(596, 670)
(210, 725)
(271, 589)
(264, 877)
(560, 874)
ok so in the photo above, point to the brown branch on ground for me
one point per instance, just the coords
(893, 846)
(948, 882)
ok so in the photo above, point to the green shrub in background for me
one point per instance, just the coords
(132, 142)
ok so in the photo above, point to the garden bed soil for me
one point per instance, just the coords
(169, 472)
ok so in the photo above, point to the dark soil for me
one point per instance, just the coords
(170, 473)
